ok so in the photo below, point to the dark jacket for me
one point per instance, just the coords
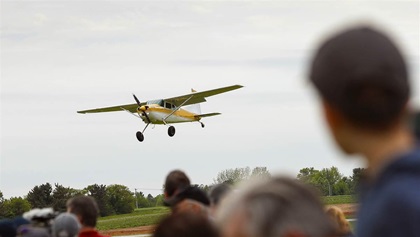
(390, 206)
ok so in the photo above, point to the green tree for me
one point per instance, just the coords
(308, 175)
(342, 187)
(159, 200)
(329, 181)
(234, 176)
(151, 200)
(355, 179)
(2, 208)
(60, 195)
(260, 172)
(120, 198)
(99, 193)
(142, 200)
(15, 206)
(40, 196)
(327, 178)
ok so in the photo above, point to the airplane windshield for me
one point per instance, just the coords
(158, 102)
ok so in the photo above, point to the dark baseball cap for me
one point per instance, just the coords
(362, 74)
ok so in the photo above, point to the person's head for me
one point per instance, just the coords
(85, 208)
(175, 181)
(65, 225)
(216, 194)
(363, 81)
(338, 218)
(277, 207)
(185, 224)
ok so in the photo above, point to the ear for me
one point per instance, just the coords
(332, 116)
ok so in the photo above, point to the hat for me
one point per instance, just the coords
(361, 73)
(65, 225)
(9, 227)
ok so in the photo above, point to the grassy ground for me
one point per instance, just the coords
(152, 215)
(140, 217)
(342, 199)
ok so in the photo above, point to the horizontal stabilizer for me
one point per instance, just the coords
(206, 115)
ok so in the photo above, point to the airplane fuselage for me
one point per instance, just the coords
(157, 114)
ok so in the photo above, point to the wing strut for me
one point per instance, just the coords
(130, 113)
(176, 109)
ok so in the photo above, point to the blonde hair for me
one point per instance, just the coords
(337, 217)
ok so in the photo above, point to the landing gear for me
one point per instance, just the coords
(202, 124)
(140, 136)
(171, 131)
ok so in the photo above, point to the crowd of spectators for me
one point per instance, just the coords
(362, 81)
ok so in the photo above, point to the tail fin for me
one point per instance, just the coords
(194, 108)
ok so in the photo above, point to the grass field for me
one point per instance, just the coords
(140, 217)
(342, 199)
(152, 215)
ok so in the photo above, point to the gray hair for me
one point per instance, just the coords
(276, 207)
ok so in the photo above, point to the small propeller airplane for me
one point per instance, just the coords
(166, 111)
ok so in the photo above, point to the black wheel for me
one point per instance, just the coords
(202, 125)
(140, 136)
(171, 131)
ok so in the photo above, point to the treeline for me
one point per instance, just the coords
(330, 182)
(118, 199)
(111, 199)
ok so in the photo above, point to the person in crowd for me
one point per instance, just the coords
(186, 224)
(87, 212)
(216, 194)
(339, 220)
(363, 83)
(65, 225)
(9, 227)
(181, 196)
(275, 207)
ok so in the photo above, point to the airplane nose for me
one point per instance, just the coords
(143, 108)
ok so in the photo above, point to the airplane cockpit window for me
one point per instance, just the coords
(158, 102)
(168, 105)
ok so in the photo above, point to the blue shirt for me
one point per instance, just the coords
(390, 206)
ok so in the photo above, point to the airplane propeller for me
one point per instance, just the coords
(137, 100)
(139, 104)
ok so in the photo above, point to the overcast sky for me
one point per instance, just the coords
(58, 57)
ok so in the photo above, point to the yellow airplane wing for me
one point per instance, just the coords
(188, 99)
(130, 107)
(199, 97)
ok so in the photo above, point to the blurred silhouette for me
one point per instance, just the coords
(87, 212)
(65, 225)
(339, 220)
(216, 194)
(185, 224)
(276, 207)
(362, 80)
(181, 196)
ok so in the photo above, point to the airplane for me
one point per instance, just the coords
(166, 111)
